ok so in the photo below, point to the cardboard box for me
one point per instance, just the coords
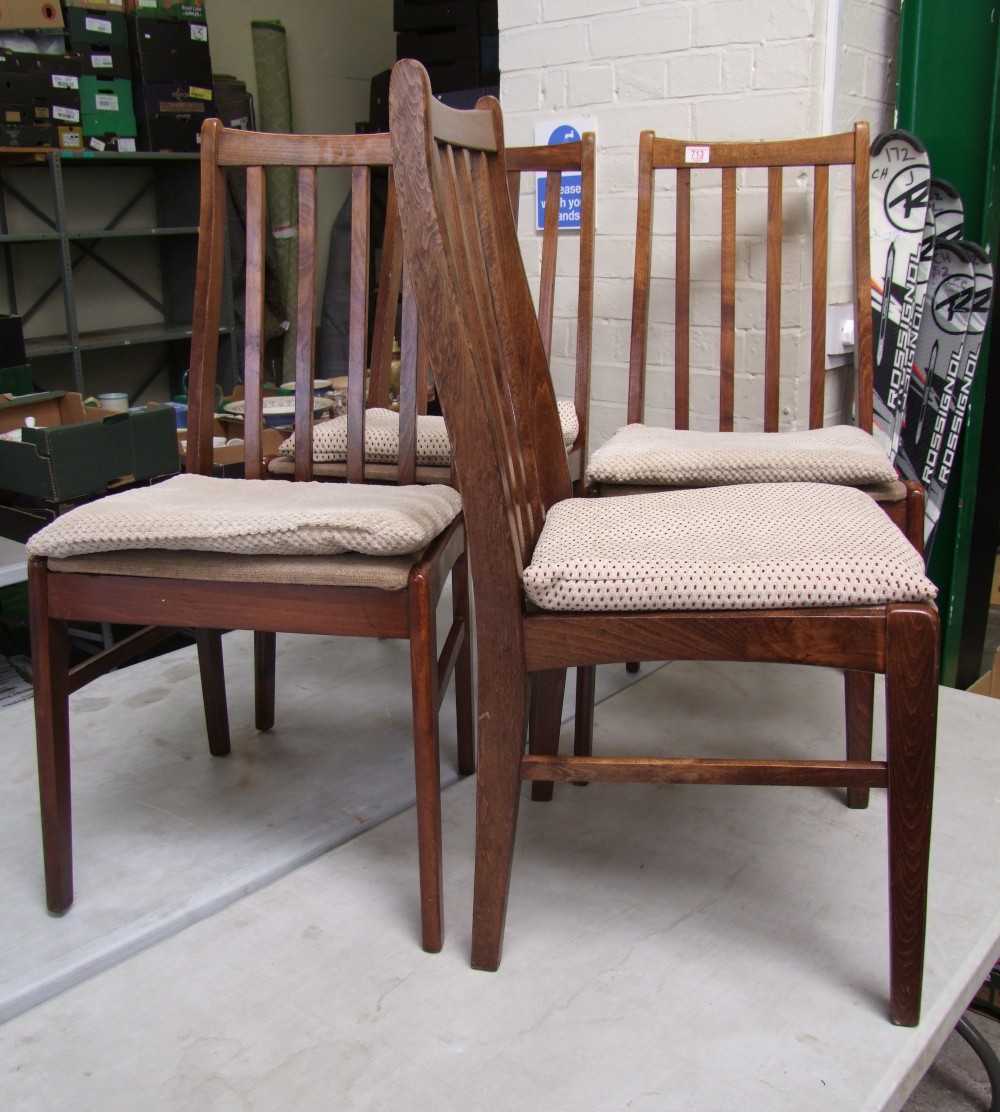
(408, 16)
(11, 341)
(103, 61)
(16, 380)
(170, 133)
(176, 99)
(30, 14)
(101, 27)
(75, 451)
(193, 10)
(107, 107)
(995, 590)
(989, 684)
(110, 142)
(97, 5)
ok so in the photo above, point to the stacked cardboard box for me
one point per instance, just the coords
(456, 40)
(39, 85)
(96, 32)
(40, 100)
(172, 70)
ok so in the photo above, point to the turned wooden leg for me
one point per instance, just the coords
(426, 760)
(213, 690)
(859, 703)
(911, 723)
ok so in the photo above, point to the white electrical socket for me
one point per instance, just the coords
(839, 335)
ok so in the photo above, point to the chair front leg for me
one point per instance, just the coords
(503, 714)
(50, 675)
(911, 681)
(426, 760)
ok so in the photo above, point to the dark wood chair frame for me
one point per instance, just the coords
(476, 312)
(211, 607)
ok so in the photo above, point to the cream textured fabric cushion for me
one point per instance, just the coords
(757, 546)
(651, 456)
(251, 517)
(382, 437)
(387, 573)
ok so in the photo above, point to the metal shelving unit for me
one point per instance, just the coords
(64, 223)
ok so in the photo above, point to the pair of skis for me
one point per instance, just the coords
(931, 294)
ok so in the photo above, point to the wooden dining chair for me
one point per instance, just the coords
(429, 455)
(357, 559)
(802, 573)
(729, 304)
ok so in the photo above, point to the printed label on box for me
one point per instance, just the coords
(67, 115)
(106, 102)
(199, 94)
(199, 32)
(97, 144)
(697, 154)
(101, 61)
(98, 26)
(126, 143)
(65, 81)
(148, 3)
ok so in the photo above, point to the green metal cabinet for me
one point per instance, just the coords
(947, 94)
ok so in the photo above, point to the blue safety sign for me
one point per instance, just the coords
(570, 191)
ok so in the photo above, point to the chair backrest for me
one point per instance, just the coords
(787, 189)
(481, 330)
(577, 159)
(224, 150)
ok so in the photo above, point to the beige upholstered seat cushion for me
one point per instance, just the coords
(650, 456)
(254, 518)
(756, 546)
(382, 437)
(387, 573)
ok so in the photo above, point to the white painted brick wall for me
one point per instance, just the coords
(719, 69)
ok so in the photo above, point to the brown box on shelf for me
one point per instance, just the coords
(75, 451)
(228, 460)
(97, 5)
(989, 684)
(30, 15)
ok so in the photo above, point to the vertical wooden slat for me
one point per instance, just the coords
(862, 280)
(550, 244)
(386, 303)
(253, 369)
(305, 322)
(408, 386)
(212, 254)
(357, 342)
(772, 305)
(727, 320)
(682, 303)
(640, 282)
(817, 346)
(585, 292)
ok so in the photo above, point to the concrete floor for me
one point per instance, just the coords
(667, 948)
